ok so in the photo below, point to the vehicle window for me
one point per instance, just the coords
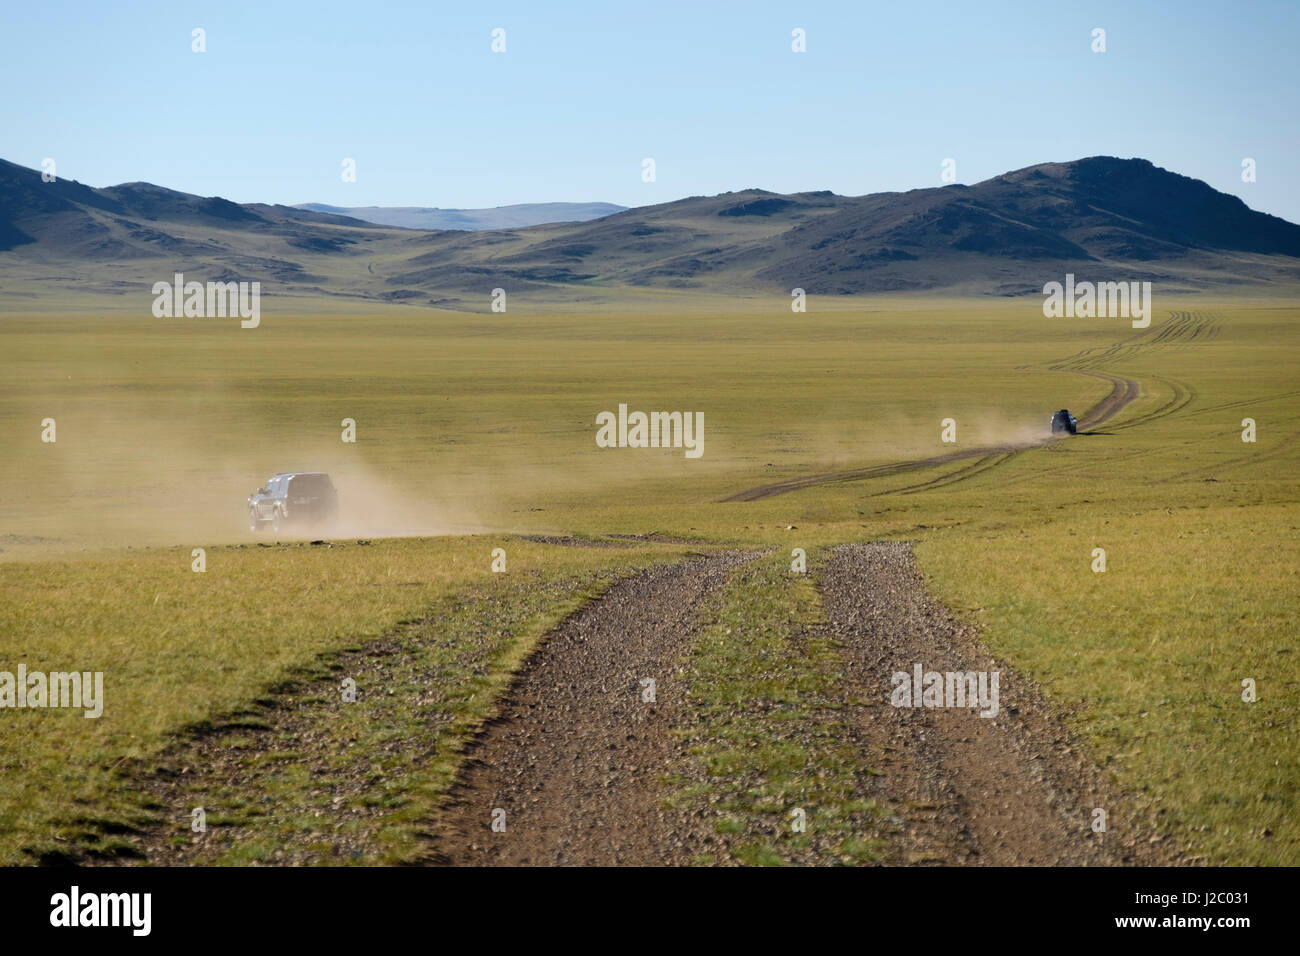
(307, 485)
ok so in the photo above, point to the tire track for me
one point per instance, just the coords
(1182, 396)
(1009, 789)
(876, 471)
(1179, 329)
(1251, 458)
(1260, 400)
(576, 758)
(984, 464)
(1123, 391)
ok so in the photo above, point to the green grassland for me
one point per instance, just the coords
(474, 426)
(183, 649)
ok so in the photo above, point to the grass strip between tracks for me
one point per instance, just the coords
(769, 734)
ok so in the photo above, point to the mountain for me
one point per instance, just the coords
(1097, 216)
(501, 217)
(1102, 218)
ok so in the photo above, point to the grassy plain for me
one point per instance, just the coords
(471, 426)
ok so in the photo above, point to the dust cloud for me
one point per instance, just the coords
(115, 478)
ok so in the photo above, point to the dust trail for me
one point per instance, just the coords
(1016, 434)
(118, 476)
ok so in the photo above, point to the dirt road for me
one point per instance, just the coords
(1010, 789)
(576, 759)
(575, 769)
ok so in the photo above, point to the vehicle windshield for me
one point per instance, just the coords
(310, 485)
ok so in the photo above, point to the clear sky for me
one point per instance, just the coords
(584, 91)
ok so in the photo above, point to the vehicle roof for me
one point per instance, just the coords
(296, 474)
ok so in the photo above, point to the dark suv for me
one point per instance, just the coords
(300, 497)
(1063, 423)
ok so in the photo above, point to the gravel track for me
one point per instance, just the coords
(576, 758)
(1006, 790)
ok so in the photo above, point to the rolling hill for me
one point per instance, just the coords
(1105, 218)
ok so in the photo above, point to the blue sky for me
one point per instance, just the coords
(585, 91)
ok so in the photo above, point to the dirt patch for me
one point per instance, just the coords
(568, 541)
(659, 538)
(577, 758)
(1123, 391)
(1011, 789)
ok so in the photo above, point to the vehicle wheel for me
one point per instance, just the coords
(277, 520)
(253, 523)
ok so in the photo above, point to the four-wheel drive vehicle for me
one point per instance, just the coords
(298, 497)
(1063, 423)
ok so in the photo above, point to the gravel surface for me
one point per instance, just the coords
(1006, 790)
(576, 758)
(579, 761)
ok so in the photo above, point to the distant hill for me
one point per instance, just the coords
(501, 217)
(1102, 218)
(1098, 215)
